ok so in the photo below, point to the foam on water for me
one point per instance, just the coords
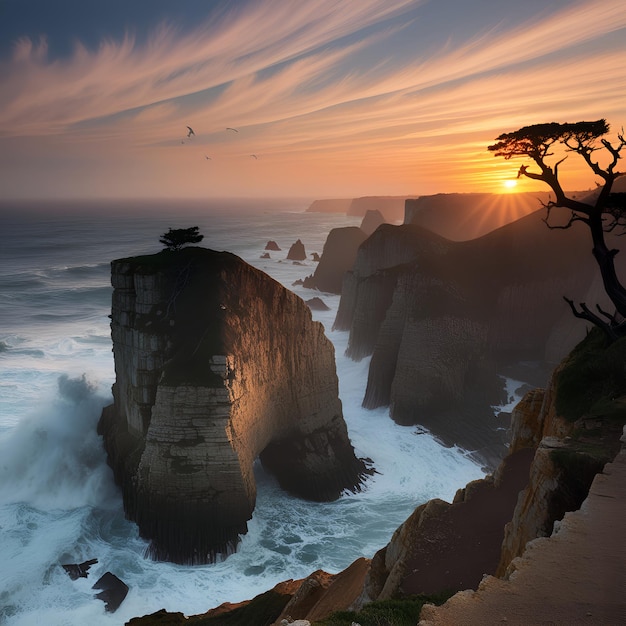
(58, 503)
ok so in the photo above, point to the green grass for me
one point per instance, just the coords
(395, 612)
(593, 381)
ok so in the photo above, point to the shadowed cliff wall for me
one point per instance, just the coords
(217, 364)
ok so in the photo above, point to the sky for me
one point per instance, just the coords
(327, 98)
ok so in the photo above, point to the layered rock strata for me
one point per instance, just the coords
(217, 365)
(547, 562)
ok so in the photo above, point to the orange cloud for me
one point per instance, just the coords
(295, 81)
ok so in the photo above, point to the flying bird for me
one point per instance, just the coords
(233, 129)
(254, 156)
(190, 131)
(208, 158)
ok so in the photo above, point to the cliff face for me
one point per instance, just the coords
(216, 365)
(392, 207)
(442, 319)
(330, 205)
(337, 258)
(464, 216)
(503, 524)
(553, 458)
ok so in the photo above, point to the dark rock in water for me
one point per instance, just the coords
(265, 255)
(316, 257)
(297, 252)
(80, 570)
(297, 282)
(160, 618)
(272, 245)
(217, 364)
(392, 207)
(317, 304)
(113, 591)
(338, 257)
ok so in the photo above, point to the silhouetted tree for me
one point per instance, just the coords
(603, 212)
(175, 239)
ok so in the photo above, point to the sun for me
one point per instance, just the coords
(510, 184)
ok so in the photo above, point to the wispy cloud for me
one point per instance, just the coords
(303, 81)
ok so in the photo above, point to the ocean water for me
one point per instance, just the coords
(58, 502)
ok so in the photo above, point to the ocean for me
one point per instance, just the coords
(58, 501)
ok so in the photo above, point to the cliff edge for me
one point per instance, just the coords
(216, 365)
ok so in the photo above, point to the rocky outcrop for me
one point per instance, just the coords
(391, 207)
(330, 205)
(551, 465)
(337, 258)
(547, 543)
(444, 546)
(372, 219)
(452, 315)
(292, 601)
(297, 251)
(574, 576)
(216, 365)
(317, 304)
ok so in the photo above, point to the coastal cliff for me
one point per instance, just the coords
(217, 365)
(494, 543)
(456, 315)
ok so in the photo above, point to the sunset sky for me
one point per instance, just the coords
(334, 98)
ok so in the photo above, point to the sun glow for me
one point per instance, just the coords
(510, 184)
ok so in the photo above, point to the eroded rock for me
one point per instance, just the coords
(217, 364)
(114, 590)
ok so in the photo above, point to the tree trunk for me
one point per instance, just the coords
(606, 262)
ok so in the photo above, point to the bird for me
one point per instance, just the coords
(208, 158)
(522, 170)
(190, 131)
(254, 156)
(233, 129)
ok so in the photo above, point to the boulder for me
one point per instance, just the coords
(113, 591)
(272, 245)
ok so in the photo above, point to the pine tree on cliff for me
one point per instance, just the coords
(175, 239)
(602, 212)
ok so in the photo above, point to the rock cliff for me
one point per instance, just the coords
(514, 536)
(464, 216)
(453, 315)
(337, 258)
(330, 205)
(216, 365)
(392, 207)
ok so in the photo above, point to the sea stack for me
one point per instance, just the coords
(216, 365)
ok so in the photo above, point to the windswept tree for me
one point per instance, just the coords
(175, 239)
(602, 212)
